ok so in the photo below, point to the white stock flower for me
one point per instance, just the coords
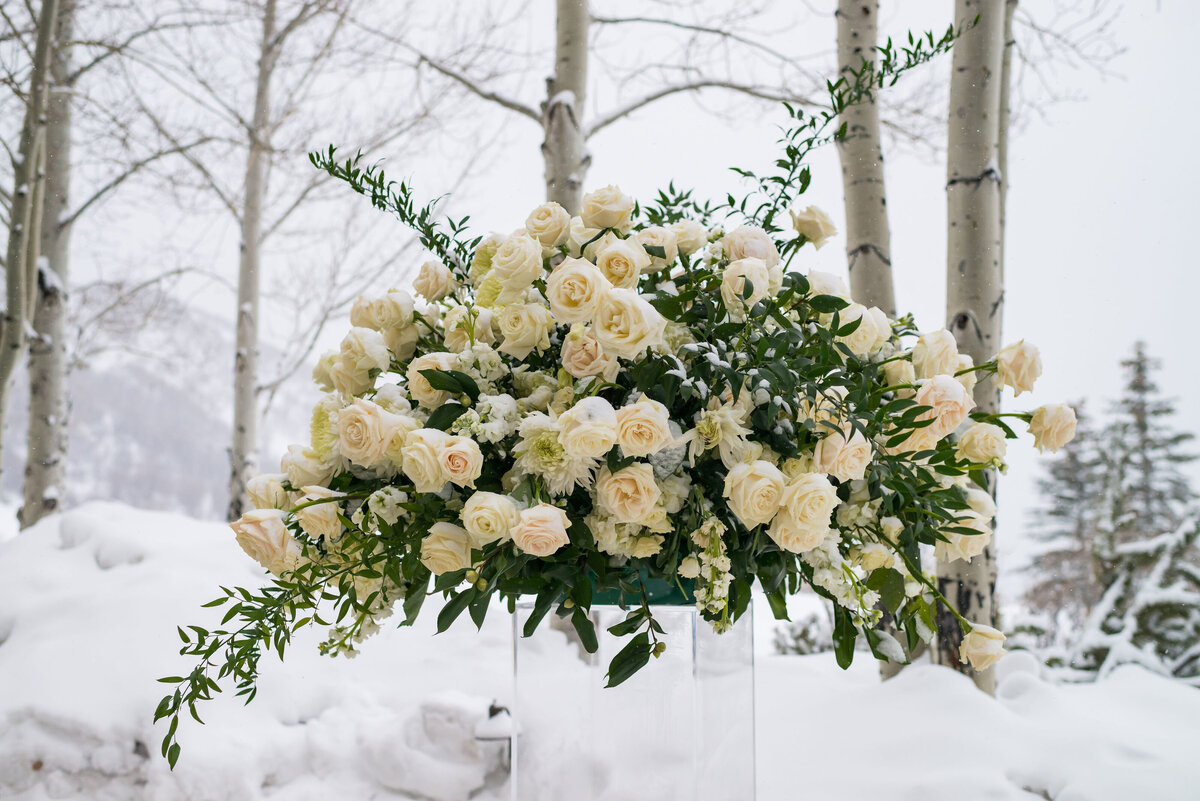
(814, 225)
(434, 281)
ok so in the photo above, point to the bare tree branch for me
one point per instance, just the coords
(727, 34)
(508, 103)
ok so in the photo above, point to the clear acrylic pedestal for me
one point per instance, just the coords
(681, 729)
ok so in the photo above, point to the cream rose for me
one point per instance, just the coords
(541, 530)
(786, 532)
(434, 281)
(393, 309)
(364, 349)
(622, 261)
(266, 491)
(445, 549)
(418, 385)
(460, 459)
(981, 503)
(843, 455)
(579, 235)
(628, 495)
(950, 404)
(583, 356)
(958, 545)
(690, 236)
(898, 374)
(733, 285)
(824, 283)
(935, 353)
(402, 341)
(807, 503)
(626, 324)
(754, 491)
(574, 289)
(303, 467)
(1052, 426)
(549, 224)
(420, 459)
(265, 539)
(516, 265)
(1018, 366)
(656, 236)
(321, 372)
(872, 332)
(750, 242)
(982, 647)
(588, 430)
(982, 443)
(643, 427)
(489, 517)
(525, 327)
(608, 207)
(969, 379)
(320, 519)
(365, 429)
(814, 225)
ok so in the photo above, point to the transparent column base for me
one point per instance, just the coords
(681, 728)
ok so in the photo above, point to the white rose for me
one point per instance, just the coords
(418, 385)
(750, 242)
(549, 224)
(434, 281)
(950, 405)
(574, 289)
(445, 549)
(321, 372)
(461, 460)
(392, 309)
(628, 495)
(981, 502)
(643, 427)
(898, 374)
(1018, 366)
(608, 207)
(843, 456)
(421, 459)
(265, 539)
(655, 236)
(690, 236)
(733, 285)
(754, 491)
(461, 323)
(525, 327)
(364, 349)
(489, 517)
(823, 283)
(303, 467)
(807, 503)
(626, 324)
(541, 530)
(583, 356)
(320, 519)
(402, 341)
(588, 430)
(982, 646)
(579, 236)
(935, 353)
(982, 443)
(622, 261)
(1052, 426)
(872, 332)
(968, 380)
(874, 555)
(348, 380)
(814, 225)
(365, 429)
(516, 265)
(958, 545)
(266, 491)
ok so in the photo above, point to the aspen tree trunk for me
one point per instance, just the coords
(21, 255)
(974, 281)
(243, 454)
(49, 404)
(564, 149)
(868, 237)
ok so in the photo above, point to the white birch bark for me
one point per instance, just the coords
(868, 237)
(21, 255)
(49, 403)
(974, 285)
(243, 453)
(564, 148)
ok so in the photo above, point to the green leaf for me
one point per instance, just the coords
(778, 602)
(452, 381)
(827, 304)
(453, 608)
(586, 630)
(629, 660)
(545, 600)
(656, 250)
(444, 416)
(466, 382)
(844, 634)
(630, 624)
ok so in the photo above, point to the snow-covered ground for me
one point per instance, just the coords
(89, 602)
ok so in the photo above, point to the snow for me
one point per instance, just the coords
(89, 601)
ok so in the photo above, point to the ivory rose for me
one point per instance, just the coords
(583, 356)
(588, 430)
(320, 519)
(364, 349)
(982, 646)
(622, 262)
(515, 266)
(872, 332)
(525, 327)
(690, 236)
(541, 530)
(421, 459)
(549, 224)
(754, 491)
(628, 495)
(489, 517)
(574, 289)
(899, 373)
(303, 467)
(967, 379)
(626, 324)
(843, 455)
(803, 522)
(966, 547)
(392, 309)
(418, 385)
(936, 353)
(733, 285)
(750, 242)
(814, 225)
(607, 207)
(1052, 426)
(825, 283)
(643, 427)
(981, 503)
(402, 341)
(1018, 366)
(982, 443)
(461, 460)
(365, 429)
(434, 281)
(659, 237)
(265, 539)
(266, 491)
(445, 549)
(950, 404)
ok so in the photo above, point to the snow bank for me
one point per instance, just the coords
(89, 602)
